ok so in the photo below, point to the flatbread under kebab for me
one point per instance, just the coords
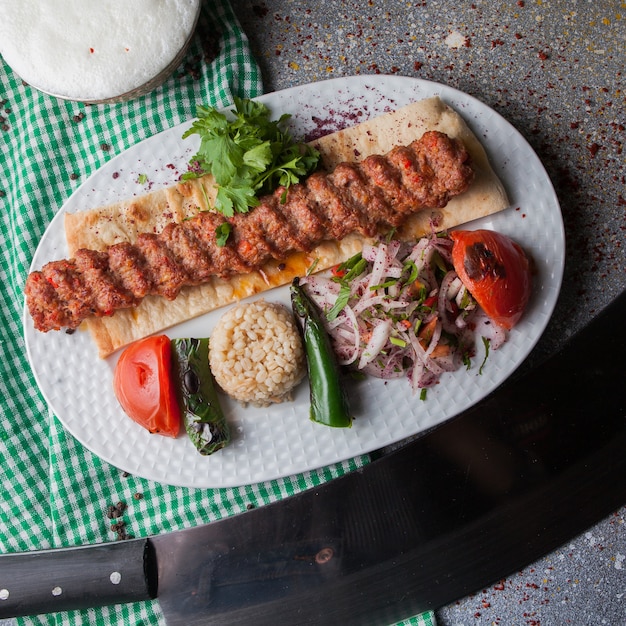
(98, 228)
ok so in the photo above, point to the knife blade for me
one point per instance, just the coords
(458, 508)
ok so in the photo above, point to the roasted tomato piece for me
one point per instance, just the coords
(144, 387)
(496, 271)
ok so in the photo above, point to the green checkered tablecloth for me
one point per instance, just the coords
(55, 492)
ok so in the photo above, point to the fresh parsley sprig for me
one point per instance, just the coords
(344, 274)
(247, 153)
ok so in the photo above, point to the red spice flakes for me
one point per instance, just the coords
(593, 149)
(543, 56)
(335, 121)
(91, 50)
(520, 3)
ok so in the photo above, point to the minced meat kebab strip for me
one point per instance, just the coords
(368, 198)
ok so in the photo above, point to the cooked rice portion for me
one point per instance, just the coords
(256, 353)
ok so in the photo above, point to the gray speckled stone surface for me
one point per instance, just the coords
(555, 70)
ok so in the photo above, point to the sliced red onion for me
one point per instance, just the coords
(347, 337)
(484, 327)
(388, 316)
(378, 339)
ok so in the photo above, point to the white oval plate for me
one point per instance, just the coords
(281, 440)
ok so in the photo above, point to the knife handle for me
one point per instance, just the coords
(65, 579)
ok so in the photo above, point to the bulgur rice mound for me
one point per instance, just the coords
(256, 353)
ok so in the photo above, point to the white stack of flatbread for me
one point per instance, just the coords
(95, 51)
(100, 227)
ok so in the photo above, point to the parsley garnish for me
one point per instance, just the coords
(247, 153)
(342, 299)
(222, 232)
(486, 343)
(346, 272)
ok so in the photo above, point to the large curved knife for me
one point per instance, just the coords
(458, 508)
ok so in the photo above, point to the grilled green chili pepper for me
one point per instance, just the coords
(200, 407)
(329, 402)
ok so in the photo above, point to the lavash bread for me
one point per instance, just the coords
(97, 228)
(379, 135)
(96, 51)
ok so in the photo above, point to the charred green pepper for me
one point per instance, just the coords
(200, 407)
(329, 402)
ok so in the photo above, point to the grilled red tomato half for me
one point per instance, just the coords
(143, 385)
(496, 271)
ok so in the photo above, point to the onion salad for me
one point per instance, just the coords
(400, 310)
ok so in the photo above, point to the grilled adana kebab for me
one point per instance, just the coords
(369, 197)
